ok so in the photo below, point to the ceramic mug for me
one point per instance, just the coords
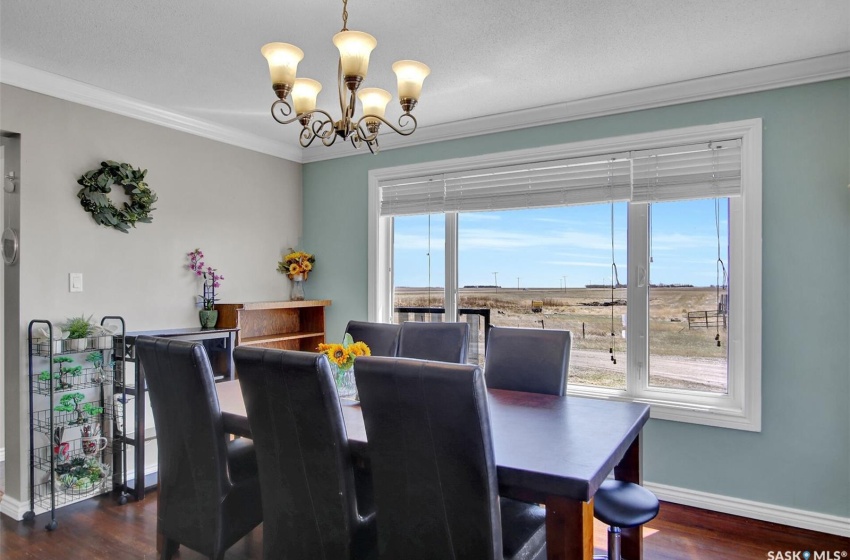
(61, 452)
(94, 444)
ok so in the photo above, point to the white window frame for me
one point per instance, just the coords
(740, 407)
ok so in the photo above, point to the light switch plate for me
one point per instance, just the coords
(75, 281)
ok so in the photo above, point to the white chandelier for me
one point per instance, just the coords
(354, 50)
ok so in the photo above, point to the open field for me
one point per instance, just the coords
(679, 357)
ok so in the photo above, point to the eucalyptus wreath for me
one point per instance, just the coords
(97, 184)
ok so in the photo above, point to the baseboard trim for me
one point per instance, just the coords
(16, 509)
(792, 517)
(13, 508)
(150, 469)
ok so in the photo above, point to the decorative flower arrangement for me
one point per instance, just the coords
(212, 279)
(296, 263)
(343, 355)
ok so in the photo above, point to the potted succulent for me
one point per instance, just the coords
(79, 329)
(81, 475)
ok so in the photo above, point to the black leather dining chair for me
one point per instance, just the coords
(311, 507)
(433, 466)
(530, 360)
(381, 338)
(440, 342)
(209, 491)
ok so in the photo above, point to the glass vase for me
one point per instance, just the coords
(344, 380)
(297, 293)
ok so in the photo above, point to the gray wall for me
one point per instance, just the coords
(11, 274)
(242, 208)
(801, 459)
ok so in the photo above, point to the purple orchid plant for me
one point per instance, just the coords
(212, 279)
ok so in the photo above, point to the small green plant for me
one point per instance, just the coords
(45, 376)
(91, 410)
(63, 373)
(95, 358)
(78, 327)
(71, 403)
(81, 474)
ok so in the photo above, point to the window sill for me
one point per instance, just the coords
(720, 415)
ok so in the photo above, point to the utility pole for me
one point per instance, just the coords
(496, 279)
(565, 283)
(517, 282)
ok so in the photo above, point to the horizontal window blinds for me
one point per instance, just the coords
(532, 185)
(687, 172)
(699, 171)
(554, 183)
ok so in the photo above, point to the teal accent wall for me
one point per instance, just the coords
(801, 458)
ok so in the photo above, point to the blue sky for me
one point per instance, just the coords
(541, 246)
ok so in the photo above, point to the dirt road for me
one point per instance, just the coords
(666, 370)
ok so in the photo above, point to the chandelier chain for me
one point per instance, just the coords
(344, 15)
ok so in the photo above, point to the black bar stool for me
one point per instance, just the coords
(622, 505)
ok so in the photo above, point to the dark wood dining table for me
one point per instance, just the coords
(550, 450)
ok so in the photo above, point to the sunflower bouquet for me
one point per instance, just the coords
(296, 263)
(341, 358)
(343, 355)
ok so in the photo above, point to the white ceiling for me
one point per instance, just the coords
(201, 58)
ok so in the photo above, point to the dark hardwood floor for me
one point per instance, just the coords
(101, 529)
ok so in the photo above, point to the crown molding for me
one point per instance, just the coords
(818, 69)
(39, 81)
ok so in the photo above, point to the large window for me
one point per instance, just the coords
(647, 248)
(551, 268)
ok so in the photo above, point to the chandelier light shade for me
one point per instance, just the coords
(304, 94)
(374, 101)
(410, 76)
(283, 63)
(355, 48)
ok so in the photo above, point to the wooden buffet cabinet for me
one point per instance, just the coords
(288, 325)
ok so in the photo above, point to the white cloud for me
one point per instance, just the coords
(580, 263)
(679, 241)
(418, 242)
(484, 238)
(478, 217)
